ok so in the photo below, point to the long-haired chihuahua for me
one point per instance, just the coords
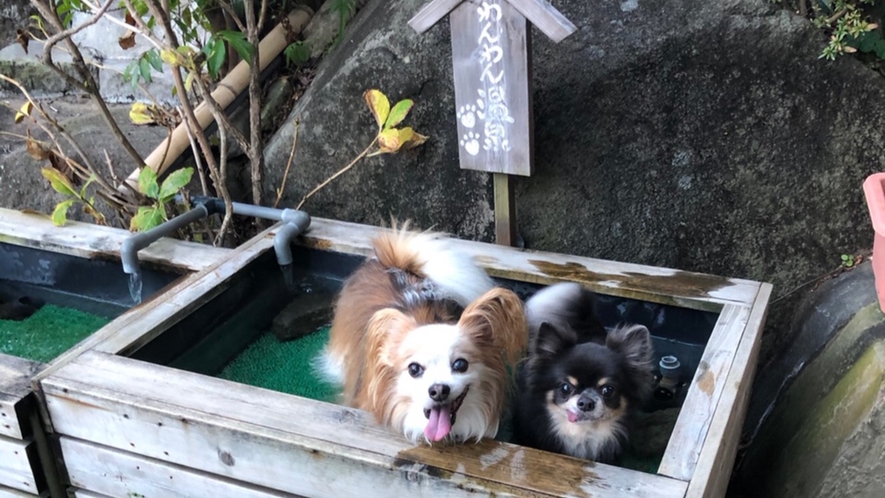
(581, 384)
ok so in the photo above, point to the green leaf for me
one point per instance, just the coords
(879, 49)
(297, 53)
(147, 217)
(216, 52)
(153, 57)
(238, 42)
(144, 69)
(174, 182)
(83, 190)
(147, 182)
(60, 214)
(378, 104)
(59, 181)
(398, 113)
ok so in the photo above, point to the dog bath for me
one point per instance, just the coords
(232, 338)
(231, 438)
(58, 299)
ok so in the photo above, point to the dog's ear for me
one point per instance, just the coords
(634, 342)
(552, 340)
(497, 319)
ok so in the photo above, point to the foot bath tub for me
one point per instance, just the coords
(58, 288)
(214, 420)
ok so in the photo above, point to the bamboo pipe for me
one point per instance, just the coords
(227, 90)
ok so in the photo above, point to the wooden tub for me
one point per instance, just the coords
(27, 464)
(130, 427)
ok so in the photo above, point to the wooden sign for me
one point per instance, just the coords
(491, 56)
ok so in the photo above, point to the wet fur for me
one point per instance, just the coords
(569, 344)
(416, 284)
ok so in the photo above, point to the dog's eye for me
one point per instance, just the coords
(415, 370)
(608, 391)
(459, 365)
(565, 388)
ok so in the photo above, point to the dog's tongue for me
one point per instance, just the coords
(572, 416)
(439, 424)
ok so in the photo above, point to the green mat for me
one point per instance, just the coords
(283, 366)
(49, 332)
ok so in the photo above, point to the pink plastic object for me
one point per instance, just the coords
(874, 190)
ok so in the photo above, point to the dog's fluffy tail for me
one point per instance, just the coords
(431, 256)
(566, 305)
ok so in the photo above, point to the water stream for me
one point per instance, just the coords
(135, 286)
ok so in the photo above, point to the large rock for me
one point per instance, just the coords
(703, 135)
(695, 134)
(380, 51)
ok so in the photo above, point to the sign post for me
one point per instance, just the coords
(491, 57)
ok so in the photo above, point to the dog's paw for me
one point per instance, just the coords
(467, 115)
(470, 142)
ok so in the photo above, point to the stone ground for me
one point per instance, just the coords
(21, 184)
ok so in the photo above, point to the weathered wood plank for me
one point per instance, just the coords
(713, 470)
(654, 284)
(90, 241)
(15, 465)
(550, 21)
(701, 401)
(493, 101)
(431, 13)
(14, 493)
(118, 473)
(16, 398)
(82, 493)
(260, 436)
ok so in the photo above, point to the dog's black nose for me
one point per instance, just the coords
(586, 404)
(439, 392)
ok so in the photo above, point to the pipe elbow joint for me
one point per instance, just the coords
(129, 254)
(296, 222)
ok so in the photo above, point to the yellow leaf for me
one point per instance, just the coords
(410, 138)
(378, 104)
(189, 81)
(141, 114)
(25, 110)
(389, 141)
(59, 182)
(171, 57)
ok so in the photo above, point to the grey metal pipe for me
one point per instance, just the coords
(131, 246)
(296, 222)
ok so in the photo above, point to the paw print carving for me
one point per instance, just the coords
(470, 142)
(467, 115)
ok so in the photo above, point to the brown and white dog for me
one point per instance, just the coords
(403, 350)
